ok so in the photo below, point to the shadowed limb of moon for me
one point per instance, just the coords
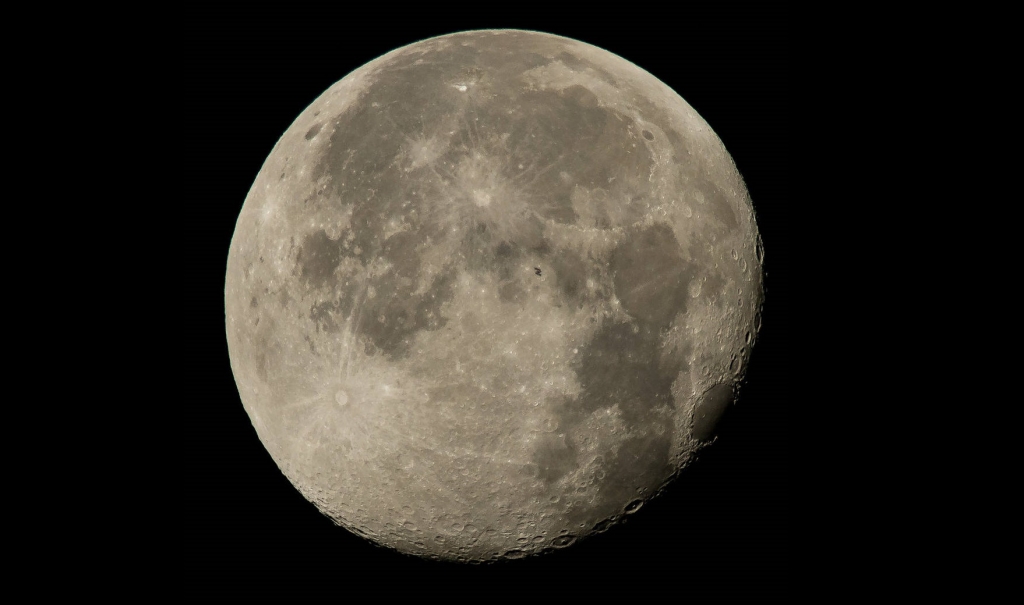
(489, 293)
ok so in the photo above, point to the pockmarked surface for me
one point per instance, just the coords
(490, 292)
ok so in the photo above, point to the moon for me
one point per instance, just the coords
(490, 293)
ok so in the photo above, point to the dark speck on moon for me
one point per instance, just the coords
(489, 293)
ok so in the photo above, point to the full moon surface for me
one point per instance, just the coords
(491, 292)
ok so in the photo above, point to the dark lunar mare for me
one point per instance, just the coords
(367, 140)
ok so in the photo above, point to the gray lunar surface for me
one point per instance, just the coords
(490, 292)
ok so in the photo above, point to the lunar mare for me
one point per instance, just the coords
(490, 292)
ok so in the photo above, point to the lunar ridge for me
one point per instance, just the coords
(490, 292)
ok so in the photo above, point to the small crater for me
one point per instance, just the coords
(364, 533)
(341, 397)
(563, 541)
(633, 506)
(648, 135)
(312, 132)
(515, 553)
(736, 365)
